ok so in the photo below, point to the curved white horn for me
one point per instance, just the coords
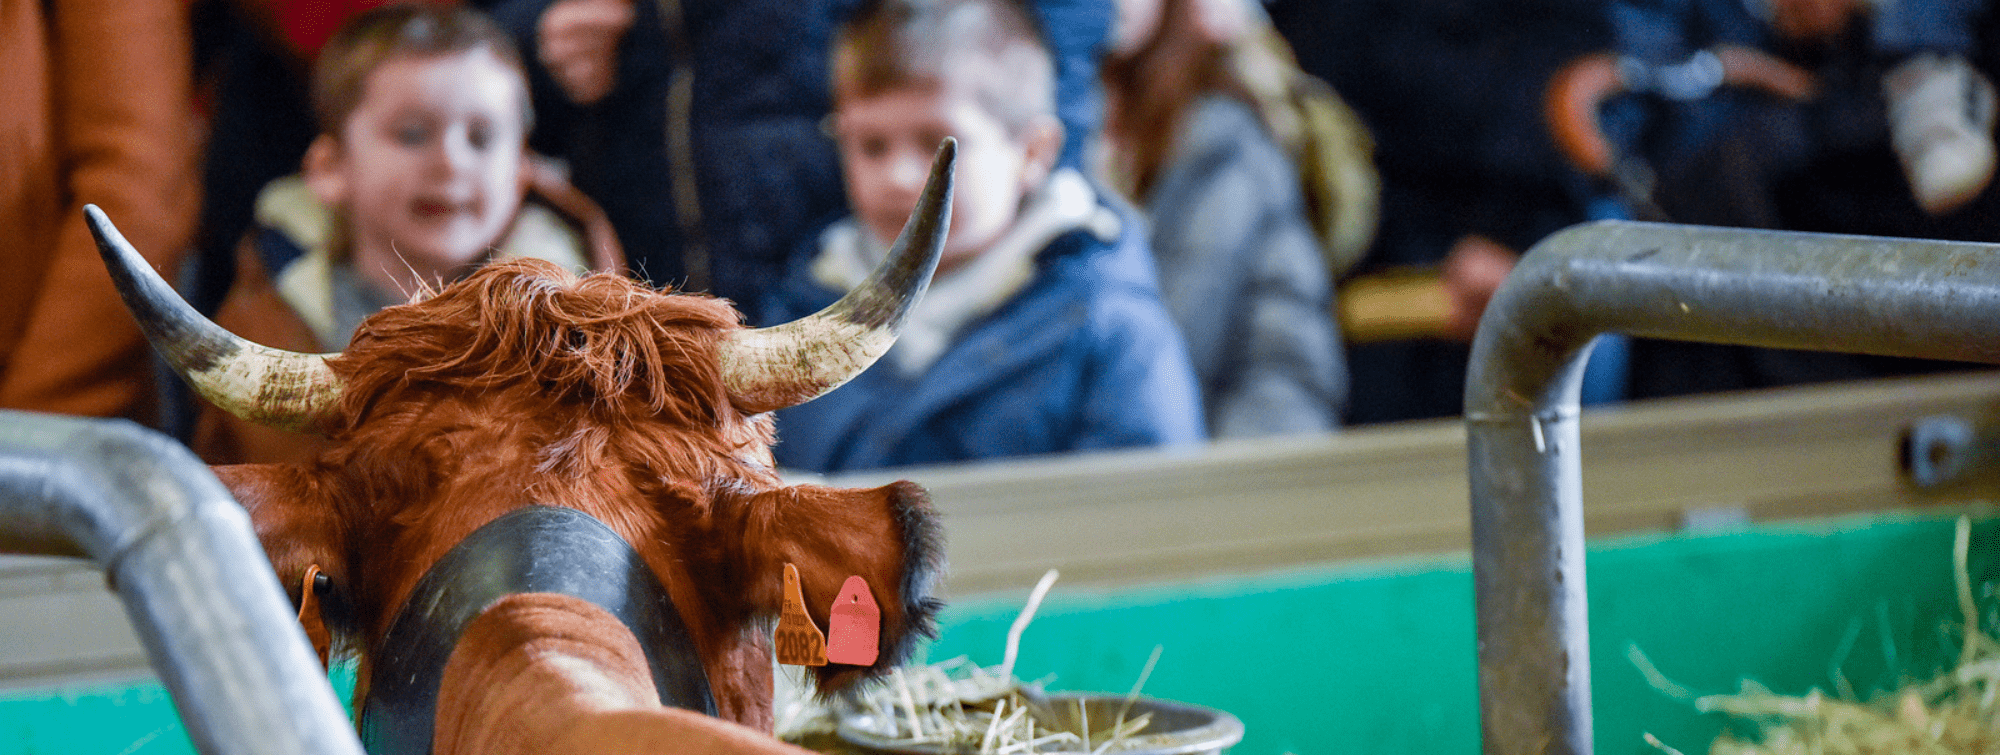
(786, 365)
(272, 387)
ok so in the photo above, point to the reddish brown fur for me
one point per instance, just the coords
(523, 385)
(515, 653)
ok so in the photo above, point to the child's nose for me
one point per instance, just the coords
(456, 154)
(909, 170)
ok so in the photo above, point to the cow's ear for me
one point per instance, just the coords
(921, 539)
(295, 518)
(888, 536)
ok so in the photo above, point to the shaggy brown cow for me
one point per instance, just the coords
(522, 386)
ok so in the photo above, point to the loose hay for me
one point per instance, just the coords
(959, 706)
(1954, 713)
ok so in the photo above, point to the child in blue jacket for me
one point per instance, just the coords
(1043, 331)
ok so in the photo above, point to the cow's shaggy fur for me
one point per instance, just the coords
(603, 341)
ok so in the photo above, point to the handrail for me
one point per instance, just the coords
(1893, 297)
(180, 552)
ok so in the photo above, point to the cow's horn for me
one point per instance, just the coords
(272, 387)
(787, 365)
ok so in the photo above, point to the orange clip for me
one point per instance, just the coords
(310, 618)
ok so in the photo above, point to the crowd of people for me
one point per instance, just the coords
(1175, 220)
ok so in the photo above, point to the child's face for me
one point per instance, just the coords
(887, 141)
(429, 165)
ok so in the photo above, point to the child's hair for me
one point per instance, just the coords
(890, 44)
(417, 29)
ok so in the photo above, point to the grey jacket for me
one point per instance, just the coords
(1244, 278)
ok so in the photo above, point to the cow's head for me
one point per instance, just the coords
(523, 385)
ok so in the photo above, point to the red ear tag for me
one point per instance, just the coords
(854, 632)
(799, 640)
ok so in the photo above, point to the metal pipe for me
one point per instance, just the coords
(1894, 297)
(181, 554)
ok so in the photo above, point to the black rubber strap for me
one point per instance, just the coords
(537, 549)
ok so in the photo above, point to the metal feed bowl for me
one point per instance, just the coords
(1176, 728)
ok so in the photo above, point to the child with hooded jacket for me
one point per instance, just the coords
(1043, 331)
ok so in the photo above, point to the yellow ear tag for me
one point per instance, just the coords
(799, 640)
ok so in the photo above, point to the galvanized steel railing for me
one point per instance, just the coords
(1895, 297)
(180, 552)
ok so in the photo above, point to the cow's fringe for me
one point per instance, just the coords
(601, 340)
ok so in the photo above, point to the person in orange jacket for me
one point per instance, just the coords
(95, 108)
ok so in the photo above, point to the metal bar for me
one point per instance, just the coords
(180, 552)
(1895, 297)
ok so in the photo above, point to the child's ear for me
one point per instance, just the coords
(322, 167)
(1043, 142)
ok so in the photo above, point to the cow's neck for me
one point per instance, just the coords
(535, 550)
(552, 674)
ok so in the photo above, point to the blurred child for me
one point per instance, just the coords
(1241, 268)
(1043, 331)
(685, 119)
(418, 176)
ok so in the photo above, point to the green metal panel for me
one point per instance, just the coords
(112, 718)
(1378, 657)
(105, 718)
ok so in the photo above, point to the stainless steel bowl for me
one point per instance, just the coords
(1175, 729)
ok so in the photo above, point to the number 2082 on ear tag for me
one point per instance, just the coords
(799, 640)
(855, 625)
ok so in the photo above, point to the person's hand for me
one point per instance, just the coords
(1756, 69)
(579, 45)
(1473, 270)
(1575, 93)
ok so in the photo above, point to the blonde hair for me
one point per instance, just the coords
(892, 44)
(410, 29)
